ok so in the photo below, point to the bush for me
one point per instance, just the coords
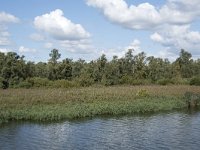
(126, 79)
(64, 84)
(165, 82)
(25, 84)
(140, 82)
(39, 82)
(84, 81)
(131, 81)
(195, 81)
(14, 82)
(109, 81)
(192, 99)
(176, 81)
(180, 81)
(3, 83)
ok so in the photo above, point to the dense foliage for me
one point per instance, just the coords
(131, 69)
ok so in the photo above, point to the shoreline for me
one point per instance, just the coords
(67, 104)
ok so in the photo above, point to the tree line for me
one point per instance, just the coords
(131, 69)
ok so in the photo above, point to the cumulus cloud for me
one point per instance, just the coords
(170, 23)
(83, 46)
(178, 37)
(156, 37)
(6, 18)
(147, 16)
(59, 27)
(57, 30)
(23, 49)
(135, 45)
(135, 17)
(167, 53)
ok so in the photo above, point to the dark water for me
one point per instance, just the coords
(174, 131)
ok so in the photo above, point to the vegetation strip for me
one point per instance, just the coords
(58, 104)
(131, 69)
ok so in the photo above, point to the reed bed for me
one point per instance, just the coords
(58, 104)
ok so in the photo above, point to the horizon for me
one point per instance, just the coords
(87, 29)
(88, 61)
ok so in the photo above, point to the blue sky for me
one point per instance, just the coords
(87, 28)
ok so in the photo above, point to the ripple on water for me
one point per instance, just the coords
(175, 130)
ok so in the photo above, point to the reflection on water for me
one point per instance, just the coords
(175, 130)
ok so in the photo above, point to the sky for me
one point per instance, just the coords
(89, 28)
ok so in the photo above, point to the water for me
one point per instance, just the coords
(177, 130)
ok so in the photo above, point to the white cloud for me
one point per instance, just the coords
(120, 52)
(5, 50)
(135, 46)
(135, 17)
(167, 53)
(23, 49)
(56, 30)
(59, 27)
(37, 37)
(170, 23)
(177, 37)
(113, 52)
(156, 37)
(83, 46)
(147, 16)
(7, 18)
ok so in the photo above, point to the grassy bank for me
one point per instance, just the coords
(57, 104)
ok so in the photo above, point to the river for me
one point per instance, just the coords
(175, 130)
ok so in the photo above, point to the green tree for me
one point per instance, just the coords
(54, 56)
(185, 64)
(64, 69)
(140, 69)
(129, 62)
(77, 68)
(158, 68)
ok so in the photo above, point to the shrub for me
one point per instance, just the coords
(131, 81)
(165, 82)
(84, 81)
(3, 83)
(109, 81)
(140, 82)
(14, 82)
(176, 81)
(180, 81)
(39, 82)
(195, 81)
(25, 84)
(126, 79)
(192, 99)
(64, 84)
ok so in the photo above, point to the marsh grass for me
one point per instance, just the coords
(58, 104)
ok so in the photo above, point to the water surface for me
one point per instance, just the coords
(176, 130)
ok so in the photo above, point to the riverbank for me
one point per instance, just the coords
(58, 104)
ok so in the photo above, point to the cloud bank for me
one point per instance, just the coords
(170, 24)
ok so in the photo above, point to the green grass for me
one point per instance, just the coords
(58, 104)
